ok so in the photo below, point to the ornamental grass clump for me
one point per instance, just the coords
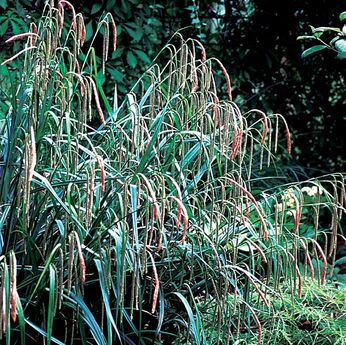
(124, 224)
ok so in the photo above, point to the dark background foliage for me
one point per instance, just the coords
(257, 42)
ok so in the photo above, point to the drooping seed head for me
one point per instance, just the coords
(16, 55)
(21, 36)
(74, 22)
(13, 295)
(114, 30)
(102, 172)
(97, 101)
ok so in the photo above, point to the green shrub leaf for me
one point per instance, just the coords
(96, 7)
(313, 49)
(131, 59)
(342, 15)
(136, 33)
(3, 4)
(340, 46)
(144, 57)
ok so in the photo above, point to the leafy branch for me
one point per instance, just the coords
(336, 44)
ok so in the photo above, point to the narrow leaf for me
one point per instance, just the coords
(105, 296)
(41, 331)
(193, 325)
(51, 306)
(89, 319)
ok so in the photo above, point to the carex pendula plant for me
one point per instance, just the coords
(135, 222)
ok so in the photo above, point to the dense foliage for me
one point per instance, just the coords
(155, 213)
(264, 59)
(261, 52)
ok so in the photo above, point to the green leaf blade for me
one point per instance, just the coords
(312, 50)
